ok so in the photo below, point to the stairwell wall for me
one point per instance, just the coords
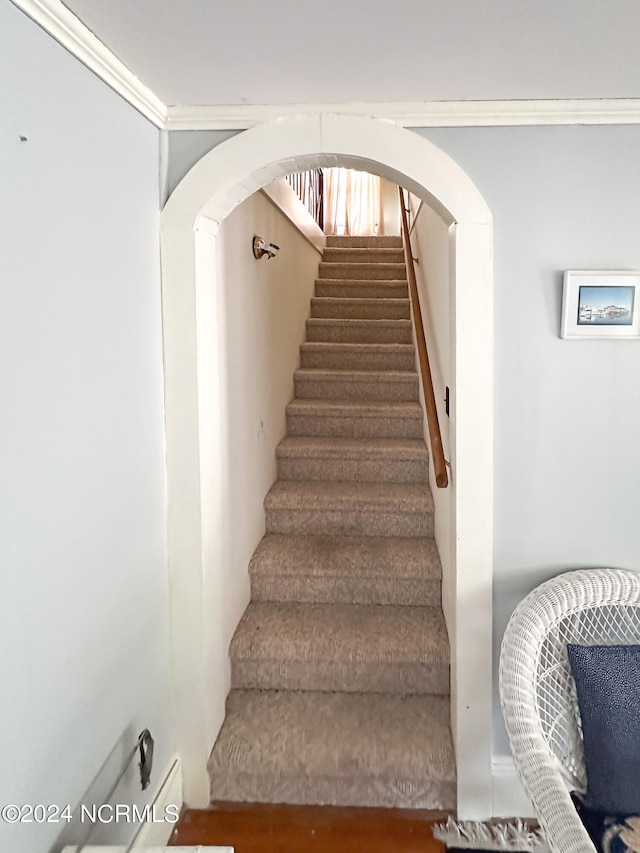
(431, 245)
(260, 324)
(390, 208)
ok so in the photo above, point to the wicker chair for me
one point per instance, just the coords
(537, 691)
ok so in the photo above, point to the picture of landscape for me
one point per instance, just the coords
(606, 306)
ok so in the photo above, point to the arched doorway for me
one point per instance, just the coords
(209, 192)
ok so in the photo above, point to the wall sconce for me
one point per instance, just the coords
(260, 248)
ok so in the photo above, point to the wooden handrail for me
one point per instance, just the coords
(435, 437)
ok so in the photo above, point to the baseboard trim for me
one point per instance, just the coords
(509, 797)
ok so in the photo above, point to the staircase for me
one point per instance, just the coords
(340, 664)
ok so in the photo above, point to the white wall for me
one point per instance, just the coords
(83, 623)
(262, 308)
(430, 243)
(390, 207)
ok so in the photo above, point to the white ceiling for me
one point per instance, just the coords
(208, 52)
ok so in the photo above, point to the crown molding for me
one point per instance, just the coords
(417, 114)
(57, 20)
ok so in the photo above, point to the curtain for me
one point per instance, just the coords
(352, 203)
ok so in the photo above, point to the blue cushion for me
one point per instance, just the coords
(608, 686)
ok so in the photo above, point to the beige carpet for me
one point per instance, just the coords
(340, 665)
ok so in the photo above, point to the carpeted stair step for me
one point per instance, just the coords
(336, 330)
(340, 664)
(349, 509)
(327, 356)
(345, 419)
(392, 385)
(363, 289)
(366, 460)
(355, 648)
(343, 749)
(361, 270)
(364, 242)
(346, 570)
(353, 308)
(366, 254)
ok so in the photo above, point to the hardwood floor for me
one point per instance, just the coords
(260, 828)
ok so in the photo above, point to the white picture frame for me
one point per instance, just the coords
(601, 304)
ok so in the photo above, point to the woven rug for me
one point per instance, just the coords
(613, 836)
(512, 835)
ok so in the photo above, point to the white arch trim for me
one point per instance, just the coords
(210, 191)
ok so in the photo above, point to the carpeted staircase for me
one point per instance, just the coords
(340, 665)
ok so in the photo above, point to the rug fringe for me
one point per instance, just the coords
(475, 835)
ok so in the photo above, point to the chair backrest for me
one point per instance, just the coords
(588, 607)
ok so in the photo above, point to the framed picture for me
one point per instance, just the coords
(601, 304)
